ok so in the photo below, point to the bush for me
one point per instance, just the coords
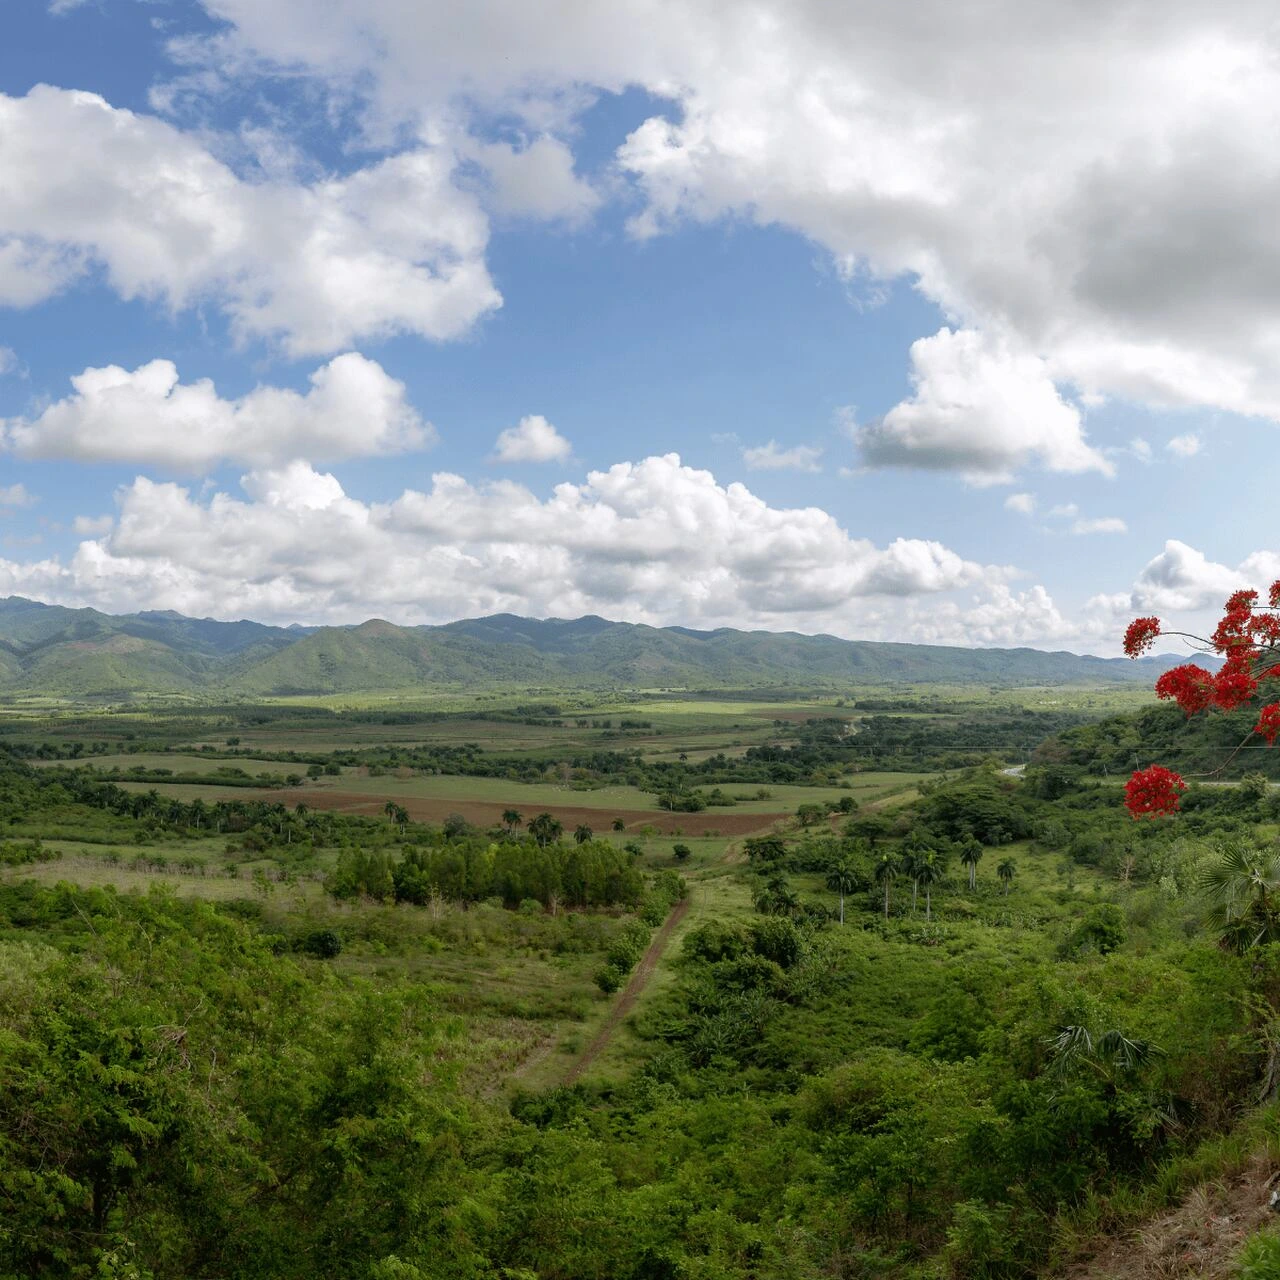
(323, 943)
(714, 941)
(776, 939)
(610, 979)
(682, 851)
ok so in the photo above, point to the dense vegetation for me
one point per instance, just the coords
(946, 1035)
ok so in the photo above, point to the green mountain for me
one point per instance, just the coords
(47, 648)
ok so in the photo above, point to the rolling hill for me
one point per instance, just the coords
(82, 652)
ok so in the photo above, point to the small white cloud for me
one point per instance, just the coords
(1023, 503)
(1185, 446)
(533, 439)
(1102, 524)
(8, 361)
(1140, 449)
(17, 495)
(352, 409)
(724, 437)
(92, 526)
(1064, 510)
(770, 457)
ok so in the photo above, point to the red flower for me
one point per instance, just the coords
(1233, 686)
(1141, 635)
(1274, 594)
(1269, 722)
(1153, 792)
(1191, 687)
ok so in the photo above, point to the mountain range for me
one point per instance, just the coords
(82, 652)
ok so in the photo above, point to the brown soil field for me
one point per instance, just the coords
(488, 814)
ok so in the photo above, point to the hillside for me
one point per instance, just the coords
(82, 652)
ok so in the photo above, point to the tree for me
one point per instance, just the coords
(1242, 892)
(681, 851)
(842, 879)
(971, 855)
(1247, 638)
(397, 813)
(619, 824)
(1006, 871)
(930, 869)
(511, 819)
(886, 872)
(915, 849)
(582, 833)
(546, 829)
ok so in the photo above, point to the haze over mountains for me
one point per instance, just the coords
(48, 648)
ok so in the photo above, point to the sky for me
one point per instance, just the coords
(943, 323)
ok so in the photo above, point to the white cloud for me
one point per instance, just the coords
(980, 409)
(535, 181)
(533, 439)
(17, 495)
(1184, 446)
(652, 541)
(1023, 503)
(392, 248)
(1065, 510)
(9, 362)
(93, 526)
(353, 408)
(771, 457)
(1095, 192)
(1101, 524)
(1140, 449)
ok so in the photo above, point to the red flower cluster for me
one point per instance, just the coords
(1191, 687)
(1152, 792)
(1248, 638)
(1141, 635)
(1269, 722)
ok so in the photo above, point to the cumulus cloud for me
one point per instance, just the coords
(1093, 190)
(980, 409)
(353, 408)
(1184, 446)
(393, 248)
(532, 439)
(1023, 503)
(652, 541)
(773, 457)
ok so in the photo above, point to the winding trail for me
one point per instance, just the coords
(630, 993)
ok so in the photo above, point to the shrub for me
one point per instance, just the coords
(1260, 1258)
(610, 979)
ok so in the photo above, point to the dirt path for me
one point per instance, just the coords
(630, 993)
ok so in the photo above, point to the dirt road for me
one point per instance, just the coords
(625, 1002)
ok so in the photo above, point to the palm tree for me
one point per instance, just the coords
(1242, 890)
(930, 869)
(582, 833)
(841, 879)
(915, 849)
(546, 829)
(971, 855)
(511, 819)
(1006, 871)
(886, 873)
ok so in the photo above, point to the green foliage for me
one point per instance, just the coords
(1259, 1259)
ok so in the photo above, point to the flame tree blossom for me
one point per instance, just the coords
(1247, 638)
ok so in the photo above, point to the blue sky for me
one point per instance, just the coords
(959, 330)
